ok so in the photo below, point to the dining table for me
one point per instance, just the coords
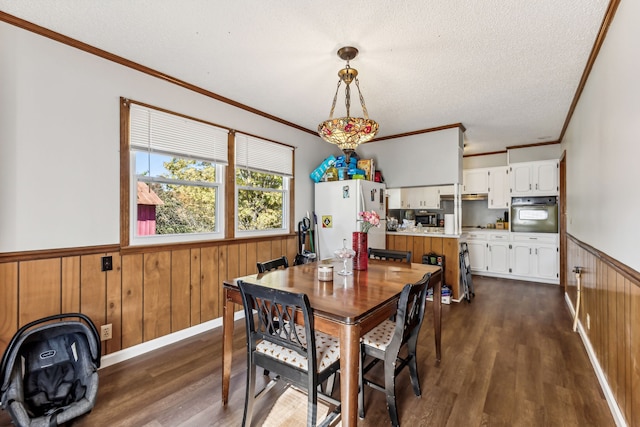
(346, 307)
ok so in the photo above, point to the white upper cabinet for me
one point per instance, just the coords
(499, 196)
(446, 190)
(475, 181)
(394, 198)
(420, 198)
(534, 178)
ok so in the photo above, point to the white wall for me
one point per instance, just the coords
(431, 158)
(603, 152)
(60, 135)
(488, 161)
(531, 154)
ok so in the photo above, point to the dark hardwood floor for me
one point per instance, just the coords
(509, 359)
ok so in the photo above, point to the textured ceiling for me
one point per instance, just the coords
(506, 69)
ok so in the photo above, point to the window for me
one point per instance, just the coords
(177, 177)
(263, 173)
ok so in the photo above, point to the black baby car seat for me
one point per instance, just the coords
(50, 371)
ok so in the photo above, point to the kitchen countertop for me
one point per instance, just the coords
(412, 233)
(483, 230)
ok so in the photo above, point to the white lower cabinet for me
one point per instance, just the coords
(498, 253)
(535, 256)
(477, 244)
(523, 256)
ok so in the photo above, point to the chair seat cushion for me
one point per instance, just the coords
(380, 336)
(327, 350)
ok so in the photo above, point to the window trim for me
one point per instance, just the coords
(286, 207)
(128, 189)
(252, 162)
(229, 196)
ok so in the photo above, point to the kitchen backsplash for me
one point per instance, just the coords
(476, 212)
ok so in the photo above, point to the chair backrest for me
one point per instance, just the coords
(273, 264)
(410, 313)
(386, 254)
(278, 314)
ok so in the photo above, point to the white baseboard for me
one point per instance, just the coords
(606, 389)
(140, 349)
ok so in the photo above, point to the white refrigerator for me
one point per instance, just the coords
(337, 205)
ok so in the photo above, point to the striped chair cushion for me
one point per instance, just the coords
(327, 350)
(380, 336)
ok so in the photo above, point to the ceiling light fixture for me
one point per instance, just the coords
(348, 132)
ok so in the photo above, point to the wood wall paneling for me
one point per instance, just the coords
(93, 285)
(634, 353)
(276, 247)
(70, 284)
(180, 289)
(292, 250)
(252, 257)
(132, 297)
(39, 289)
(242, 260)
(157, 295)
(210, 283)
(196, 286)
(8, 303)
(223, 265)
(611, 298)
(147, 295)
(114, 304)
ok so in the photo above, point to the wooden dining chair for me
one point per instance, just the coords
(384, 342)
(386, 254)
(292, 350)
(273, 264)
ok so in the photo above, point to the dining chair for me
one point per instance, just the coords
(386, 254)
(385, 341)
(273, 264)
(293, 350)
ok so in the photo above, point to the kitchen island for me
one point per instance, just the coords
(423, 243)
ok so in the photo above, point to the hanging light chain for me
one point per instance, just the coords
(364, 107)
(335, 98)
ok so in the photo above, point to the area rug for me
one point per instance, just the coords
(291, 410)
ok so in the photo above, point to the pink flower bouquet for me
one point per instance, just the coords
(369, 219)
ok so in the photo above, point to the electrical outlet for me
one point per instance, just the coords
(106, 332)
(588, 322)
(107, 263)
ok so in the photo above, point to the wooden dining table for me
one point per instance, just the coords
(346, 307)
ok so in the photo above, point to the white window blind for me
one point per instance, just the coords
(263, 156)
(160, 132)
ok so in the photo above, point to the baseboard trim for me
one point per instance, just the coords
(140, 349)
(606, 389)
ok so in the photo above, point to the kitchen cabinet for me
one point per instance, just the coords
(535, 255)
(534, 178)
(430, 198)
(498, 253)
(420, 198)
(477, 244)
(446, 190)
(421, 245)
(394, 198)
(410, 197)
(524, 256)
(499, 196)
(475, 181)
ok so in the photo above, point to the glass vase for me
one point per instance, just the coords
(361, 248)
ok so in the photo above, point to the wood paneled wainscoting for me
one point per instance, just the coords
(148, 294)
(609, 323)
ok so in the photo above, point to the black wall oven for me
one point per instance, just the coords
(534, 214)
